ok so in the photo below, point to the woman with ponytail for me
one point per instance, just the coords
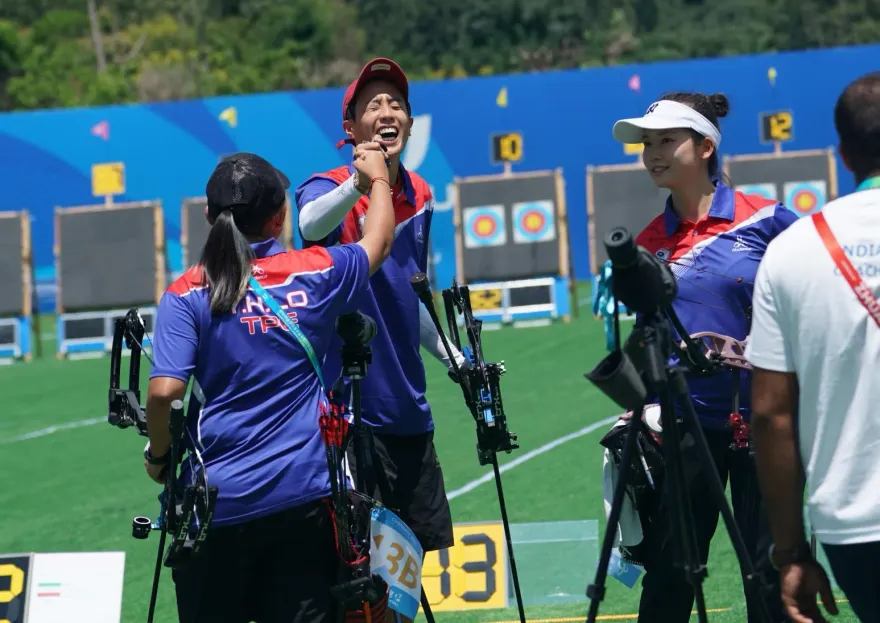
(713, 237)
(270, 554)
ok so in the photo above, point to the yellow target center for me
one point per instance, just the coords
(806, 201)
(533, 222)
(484, 226)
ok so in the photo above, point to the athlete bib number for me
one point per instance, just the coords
(396, 556)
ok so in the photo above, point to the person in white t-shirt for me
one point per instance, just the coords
(815, 349)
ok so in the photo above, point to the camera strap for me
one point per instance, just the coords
(862, 291)
(272, 304)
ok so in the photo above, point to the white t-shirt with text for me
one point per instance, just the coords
(807, 320)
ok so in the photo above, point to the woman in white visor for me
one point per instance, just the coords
(713, 237)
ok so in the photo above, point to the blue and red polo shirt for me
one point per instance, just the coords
(393, 392)
(258, 431)
(715, 261)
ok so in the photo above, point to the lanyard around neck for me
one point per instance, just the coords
(291, 325)
(871, 182)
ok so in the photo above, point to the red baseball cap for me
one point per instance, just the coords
(376, 69)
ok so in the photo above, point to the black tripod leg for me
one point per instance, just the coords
(519, 601)
(596, 590)
(155, 592)
(679, 503)
(751, 578)
(426, 607)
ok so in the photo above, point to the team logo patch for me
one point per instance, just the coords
(484, 226)
(663, 254)
(805, 198)
(534, 222)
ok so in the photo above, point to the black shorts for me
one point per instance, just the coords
(275, 569)
(410, 482)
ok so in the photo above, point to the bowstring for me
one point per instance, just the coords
(198, 456)
(692, 265)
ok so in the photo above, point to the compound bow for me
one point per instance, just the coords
(185, 511)
(481, 387)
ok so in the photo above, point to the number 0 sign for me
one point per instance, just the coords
(470, 575)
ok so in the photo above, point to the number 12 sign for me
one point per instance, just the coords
(470, 575)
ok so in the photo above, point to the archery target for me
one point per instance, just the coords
(804, 198)
(484, 226)
(533, 222)
(768, 191)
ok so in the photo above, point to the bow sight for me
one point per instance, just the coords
(185, 511)
(480, 385)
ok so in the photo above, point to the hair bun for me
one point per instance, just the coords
(719, 104)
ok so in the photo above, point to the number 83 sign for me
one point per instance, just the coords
(470, 575)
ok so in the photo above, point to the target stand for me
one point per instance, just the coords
(18, 318)
(108, 260)
(194, 230)
(803, 181)
(512, 250)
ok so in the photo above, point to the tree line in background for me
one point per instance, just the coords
(63, 53)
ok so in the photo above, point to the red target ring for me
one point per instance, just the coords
(484, 226)
(533, 221)
(805, 201)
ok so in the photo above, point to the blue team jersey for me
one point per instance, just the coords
(393, 392)
(715, 261)
(258, 430)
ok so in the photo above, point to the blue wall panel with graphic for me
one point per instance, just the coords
(565, 117)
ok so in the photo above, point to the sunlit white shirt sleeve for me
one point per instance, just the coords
(769, 345)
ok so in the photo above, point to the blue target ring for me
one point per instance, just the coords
(534, 221)
(804, 198)
(484, 226)
(768, 191)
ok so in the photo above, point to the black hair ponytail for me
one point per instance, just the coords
(226, 260)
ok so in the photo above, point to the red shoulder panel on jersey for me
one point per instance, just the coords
(654, 235)
(278, 269)
(747, 205)
(338, 175)
(187, 282)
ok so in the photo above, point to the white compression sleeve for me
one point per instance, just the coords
(430, 339)
(321, 216)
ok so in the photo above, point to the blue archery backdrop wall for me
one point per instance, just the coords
(166, 151)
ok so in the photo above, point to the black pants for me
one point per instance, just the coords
(409, 481)
(857, 571)
(667, 596)
(275, 569)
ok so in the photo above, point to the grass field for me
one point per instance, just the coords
(76, 489)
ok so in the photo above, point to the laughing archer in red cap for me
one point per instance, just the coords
(376, 115)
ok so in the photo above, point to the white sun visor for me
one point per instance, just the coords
(665, 115)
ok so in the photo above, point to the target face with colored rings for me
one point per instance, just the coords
(533, 222)
(805, 198)
(484, 226)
